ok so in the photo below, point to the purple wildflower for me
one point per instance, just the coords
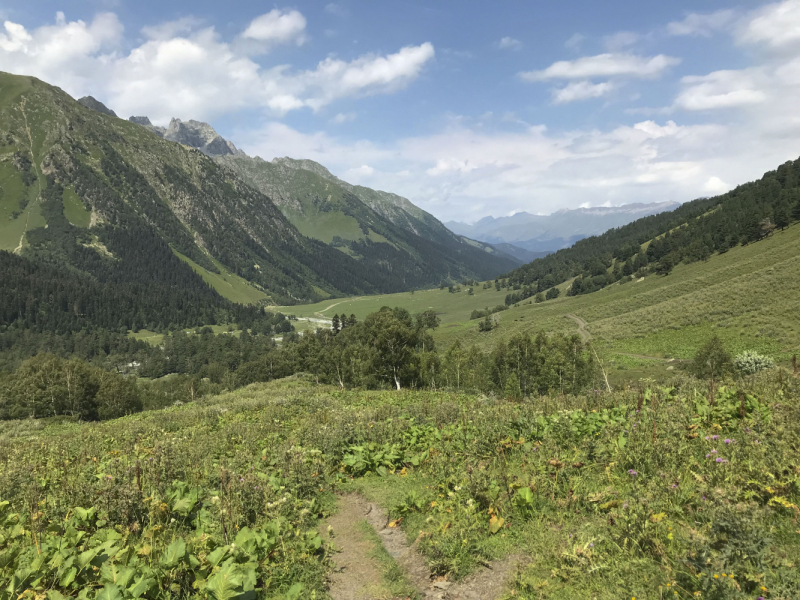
(713, 452)
(708, 438)
(719, 460)
(591, 545)
(632, 473)
(674, 486)
(727, 441)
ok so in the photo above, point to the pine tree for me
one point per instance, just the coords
(796, 211)
(782, 217)
(335, 324)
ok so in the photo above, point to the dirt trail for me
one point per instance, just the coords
(38, 179)
(585, 335)
(357, 572)
(335, 304)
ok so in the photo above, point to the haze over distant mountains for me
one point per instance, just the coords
(548, 233)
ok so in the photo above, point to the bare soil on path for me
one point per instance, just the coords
(358, 575)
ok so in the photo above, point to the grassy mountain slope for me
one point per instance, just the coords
(60, 162)
(749, 296)
(692, 232)
(325, 208)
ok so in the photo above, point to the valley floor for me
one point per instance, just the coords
(749, 297)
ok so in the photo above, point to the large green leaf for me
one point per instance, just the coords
(110, 592)
(117, 574)
(174, 553)
(226, 583)
(141, 586)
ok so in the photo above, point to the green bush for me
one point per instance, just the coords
(750, 363)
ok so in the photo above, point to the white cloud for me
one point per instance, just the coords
(775, 25)
(695, 24)
(721, 89)
(277, 27)
(171, 29)
(715, 186)
(180, 71)
(604, 65)
(344, 118)
(360, 172)
(620, 40)
(581, 90)
(509, 43)
(574, 42)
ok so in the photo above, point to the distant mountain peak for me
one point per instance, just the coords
(94, 104)
(560, 229)
(195, 134)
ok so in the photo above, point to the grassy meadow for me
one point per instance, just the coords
(664, 491)
(749, 297)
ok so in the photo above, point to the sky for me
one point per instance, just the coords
(466, 108)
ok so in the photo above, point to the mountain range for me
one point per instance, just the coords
(548, 233)
(115, 200)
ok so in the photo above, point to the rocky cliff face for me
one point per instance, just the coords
(145, 122)
(201, 136)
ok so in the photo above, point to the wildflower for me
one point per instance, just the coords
(715, 437)
(708, 438)
(719, 460)
(716, 576)
(713, 452)
(727, 441)
(632, 473)
(591, 545)
(674, 486)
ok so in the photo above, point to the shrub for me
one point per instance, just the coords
(712, 360)
(750, 362)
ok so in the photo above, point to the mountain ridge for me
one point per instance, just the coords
(557, 230)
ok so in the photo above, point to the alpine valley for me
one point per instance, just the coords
(114, 202)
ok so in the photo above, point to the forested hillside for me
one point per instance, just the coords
(418, 251)
(87, 192)
(657, 243)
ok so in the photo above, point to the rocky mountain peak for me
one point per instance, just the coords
(201, 136)
(94, 104)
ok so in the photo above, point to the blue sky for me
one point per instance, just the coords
(466, 108)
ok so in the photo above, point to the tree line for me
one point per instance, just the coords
(692, 232)
(391, 348)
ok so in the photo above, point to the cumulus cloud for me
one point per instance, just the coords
(775, 25)
(696, 24)
(277, 26)
(181, 70)
(604, 65)
(721, 89)
(509, 43)
(581, 90)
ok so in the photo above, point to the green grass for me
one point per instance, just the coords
(167, 489)
(11, 230)
(227, 284)
(749, 296)
(394, 580)
(74, 210)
